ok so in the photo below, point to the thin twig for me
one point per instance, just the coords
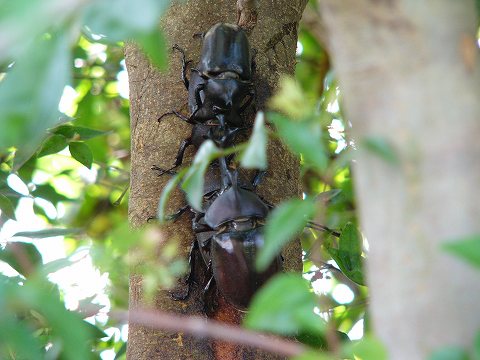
(202, 328)
(319, 227)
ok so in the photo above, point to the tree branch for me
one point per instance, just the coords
(202, 328)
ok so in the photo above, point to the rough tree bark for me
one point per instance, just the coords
(152, 94)
(409, 74)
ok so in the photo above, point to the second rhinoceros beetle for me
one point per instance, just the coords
(229, 234)
(237, 215)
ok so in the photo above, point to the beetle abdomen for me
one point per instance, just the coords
(233, 259)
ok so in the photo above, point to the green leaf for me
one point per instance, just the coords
(313, 355)
(48, 192)
(290, 99)
(77, 132)
(55, 265)
(121, 20)
(476, 346)
(154, 45)
(52, 145)
(40, 234)
(6, 207)
(327, 196)
(23, 257)
(194, 178)
(255, 155)
(320, 342)
(82, 153)
(283, 224)
(468, 249)
(167, 190)
(303, 138)
(348, 255)
(36, 19)
(450, 353)
(351, 240)
(17, 337)
(93, 330)
(123, 237)
(285, 306)
(121, 351)
(31, 91)
(70, 331)
(368, 348)
(24, 162)
(383, 148)
(193, 185)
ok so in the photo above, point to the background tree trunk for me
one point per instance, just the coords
(153, 93)
(409, 74)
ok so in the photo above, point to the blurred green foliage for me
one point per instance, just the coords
(65, 138)
(65, 141)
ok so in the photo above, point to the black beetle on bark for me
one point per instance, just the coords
(237, 215)
(221, 84)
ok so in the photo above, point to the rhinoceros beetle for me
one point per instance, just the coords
(228, 235)
(220, 85)
(237, 215)
(214, 186)
(222, 81)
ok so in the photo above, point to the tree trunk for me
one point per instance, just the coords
(153, 93)
(409, 74)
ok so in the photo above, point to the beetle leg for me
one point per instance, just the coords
(209, 296)
(198, 99)
(181, 151)
(184, 65)
(251, 96)
(257, 179)
(269, 204)
(206, 245)
(174, 217)
(198, 228)
(163, 171)
(179, 115)
(189, 279)
(199, 35)
(254, 62)
(230, 133)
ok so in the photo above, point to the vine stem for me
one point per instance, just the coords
(200, 327)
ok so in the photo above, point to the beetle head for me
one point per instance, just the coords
(227, 93)
(235, 203)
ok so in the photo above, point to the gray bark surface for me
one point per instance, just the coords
(409, 74)
(153, 93)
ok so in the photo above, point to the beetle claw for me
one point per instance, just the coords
(178, 297)
(162, 171)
